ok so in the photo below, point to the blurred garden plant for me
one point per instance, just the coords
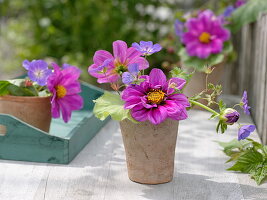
(60, 83)
(205, 41)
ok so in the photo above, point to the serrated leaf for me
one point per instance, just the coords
(259, 173)
(247, 162)
(222, 105)
(234, 156)
(247, 13)
(110, 104)
(229, 146)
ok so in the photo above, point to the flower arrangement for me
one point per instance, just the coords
(152, 97)
(59, 83)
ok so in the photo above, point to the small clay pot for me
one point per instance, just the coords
(150, 150)
(198, 82)
(35, 111)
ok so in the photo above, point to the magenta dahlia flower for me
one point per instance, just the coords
(156, 99)
(108, 68)
(64, 86)
(205, 35)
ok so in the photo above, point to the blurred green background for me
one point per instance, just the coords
(69, 31)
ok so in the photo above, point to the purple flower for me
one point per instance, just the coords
(128, 77)
(245, 131)
(108, 68)
(244, 103)
(37, 71)
(26, 64)
(205, 35)
(64, 86)
(147, 48)
(179, 28)
(228, 11)
(239, 3)
(155, 100)
(230, 116)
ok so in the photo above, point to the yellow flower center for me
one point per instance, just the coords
(61, 91)
(204, 37)
(155, 96)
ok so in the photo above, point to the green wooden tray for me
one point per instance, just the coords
(64, 141)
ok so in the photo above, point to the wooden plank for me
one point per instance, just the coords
(99, 171)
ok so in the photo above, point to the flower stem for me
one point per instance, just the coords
(203, 106)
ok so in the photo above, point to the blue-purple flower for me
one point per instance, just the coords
(128, 77)
(228, 11)
(244, 103)
(147, 48)
(230, 116)
(38, 71)
(245, 131)
(179, 28)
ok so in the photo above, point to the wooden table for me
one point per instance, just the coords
(99, 171)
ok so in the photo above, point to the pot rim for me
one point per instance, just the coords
(24, 98)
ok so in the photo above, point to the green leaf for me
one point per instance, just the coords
(180, 73)
(3, 87)
(19, 91)
(197, 63)
(259, 173)
(222, 105)
(214, 116)
(247, 161)
(110, 104)
(229, 146)
(247, 13)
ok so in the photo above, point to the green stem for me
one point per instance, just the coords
(203, 106)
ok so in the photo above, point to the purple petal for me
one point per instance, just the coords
(179, 82)
(157, 115)
(26, 64)
(127, 78)
(157, 77)
(133, 68)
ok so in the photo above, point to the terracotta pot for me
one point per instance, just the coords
(150, 150)
(198, 82)
(35, 111)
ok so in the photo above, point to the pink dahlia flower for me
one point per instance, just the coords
(64, 86)
(205, 35)
(156, 99)
(108, 68)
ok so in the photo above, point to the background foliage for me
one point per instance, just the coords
(71, 31)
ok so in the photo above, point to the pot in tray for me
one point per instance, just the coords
(35, 111)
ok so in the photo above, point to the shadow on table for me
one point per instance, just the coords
(199, 187)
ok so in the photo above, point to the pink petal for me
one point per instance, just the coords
(100, 56)
(139, 113)
(142, 62)
(179, 82)
(180, 98)
(216, 46)
(157, 77)
(157, 115)
(132, 53)
(120, 50)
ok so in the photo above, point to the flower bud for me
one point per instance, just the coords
(230, 116)
(28, 83)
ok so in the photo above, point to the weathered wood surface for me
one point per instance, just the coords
(99, 171)
(253, 71)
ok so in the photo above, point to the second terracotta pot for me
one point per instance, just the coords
(35, 111)
(150, 150)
